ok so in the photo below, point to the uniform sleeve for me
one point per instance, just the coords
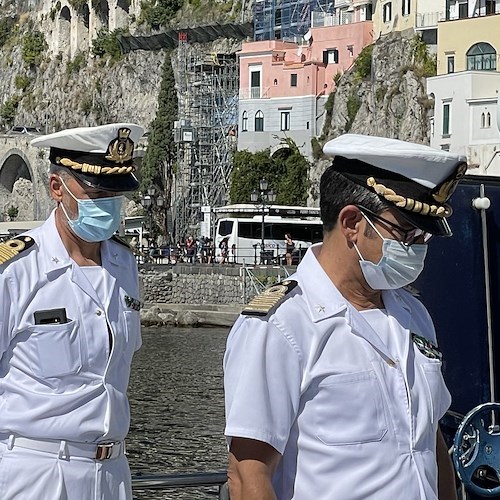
(5, 312)
(262, 376)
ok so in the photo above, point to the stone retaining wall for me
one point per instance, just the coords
(201, 284)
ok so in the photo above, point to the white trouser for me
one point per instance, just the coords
(27, 474)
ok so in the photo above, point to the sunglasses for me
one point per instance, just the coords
(408, 236)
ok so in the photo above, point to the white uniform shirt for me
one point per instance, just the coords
(62, 381)
(314, 380)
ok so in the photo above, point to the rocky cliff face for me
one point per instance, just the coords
(385, 98)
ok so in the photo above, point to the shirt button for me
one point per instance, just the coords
(98, 312)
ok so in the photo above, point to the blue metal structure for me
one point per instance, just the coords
(453, 286)
(460, 287)
(286, 19)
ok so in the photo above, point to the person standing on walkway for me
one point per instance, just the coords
(332, 378)
(69, 326)
(289, 249)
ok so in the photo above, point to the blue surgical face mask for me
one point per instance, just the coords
(98, 218)
(399, 266)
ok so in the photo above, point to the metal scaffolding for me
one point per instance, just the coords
(286, 19)
(205, 135)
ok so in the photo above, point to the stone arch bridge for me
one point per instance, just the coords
(19, 160)
(24, 176)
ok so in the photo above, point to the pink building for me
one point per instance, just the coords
(284, 85)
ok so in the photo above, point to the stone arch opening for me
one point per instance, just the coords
(64, 30)
(14, 168)
(16, 187)
(102, 10)
(82, 33)
(124, 5)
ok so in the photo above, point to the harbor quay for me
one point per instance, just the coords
(201, 294)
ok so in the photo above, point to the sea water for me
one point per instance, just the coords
(177, 407)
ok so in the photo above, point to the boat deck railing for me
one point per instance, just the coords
(184, 480)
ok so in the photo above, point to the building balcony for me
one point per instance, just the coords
(254, 93)
(429, 20)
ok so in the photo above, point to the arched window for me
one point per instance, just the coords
(259, 121)
(483, 120)
(488, 120)
(244, 121)
(482, 56)
(275, 82)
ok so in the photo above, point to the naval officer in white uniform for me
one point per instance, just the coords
(333, 379)
(69, 326)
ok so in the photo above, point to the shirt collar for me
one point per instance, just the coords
(321, 295)
(54, 254)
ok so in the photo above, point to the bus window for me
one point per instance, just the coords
(250, 229)
(225, 227)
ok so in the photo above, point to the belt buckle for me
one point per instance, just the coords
(104, 451)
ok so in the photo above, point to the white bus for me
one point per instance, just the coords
(242, 226)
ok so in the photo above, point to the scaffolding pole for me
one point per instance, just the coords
(205, 134)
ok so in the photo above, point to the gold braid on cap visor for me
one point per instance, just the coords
(409, 204)
(86, 168)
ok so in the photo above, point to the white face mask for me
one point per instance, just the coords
(399, 266)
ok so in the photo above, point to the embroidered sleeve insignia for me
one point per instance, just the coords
(426, 347)
(11, 248)
(269, 298)
(132, 303)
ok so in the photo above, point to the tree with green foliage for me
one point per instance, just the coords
(286, 172)
(159, 13)
(161, 153)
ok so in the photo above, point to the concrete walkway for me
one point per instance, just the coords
(216, 315)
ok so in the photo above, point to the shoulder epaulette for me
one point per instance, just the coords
(269, 298)
(12, 248)
(122, 242)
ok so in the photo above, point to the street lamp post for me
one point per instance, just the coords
(150, 201)
(265, 197)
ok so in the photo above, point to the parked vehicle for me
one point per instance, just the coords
(242, 225)
(24, 130)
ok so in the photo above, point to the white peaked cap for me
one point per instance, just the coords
(422, 164)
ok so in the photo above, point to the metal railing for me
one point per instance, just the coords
(258, 282)
(185, 480)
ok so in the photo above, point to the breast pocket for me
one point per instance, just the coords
(438, 397)
(350, 409)
(132, 333)
(56, 349)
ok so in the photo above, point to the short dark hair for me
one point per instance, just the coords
(336, 192)
(61, 171)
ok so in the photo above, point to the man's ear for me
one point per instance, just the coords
(55, 187)
(349, 222)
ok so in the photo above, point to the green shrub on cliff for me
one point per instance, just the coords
(107, 43)
(363, 63)
(6, 28)
(22, 82)
(8, 109)
(33, 47)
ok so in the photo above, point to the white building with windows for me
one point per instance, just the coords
(466, 88)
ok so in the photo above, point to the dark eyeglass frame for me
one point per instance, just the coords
(409, 236)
